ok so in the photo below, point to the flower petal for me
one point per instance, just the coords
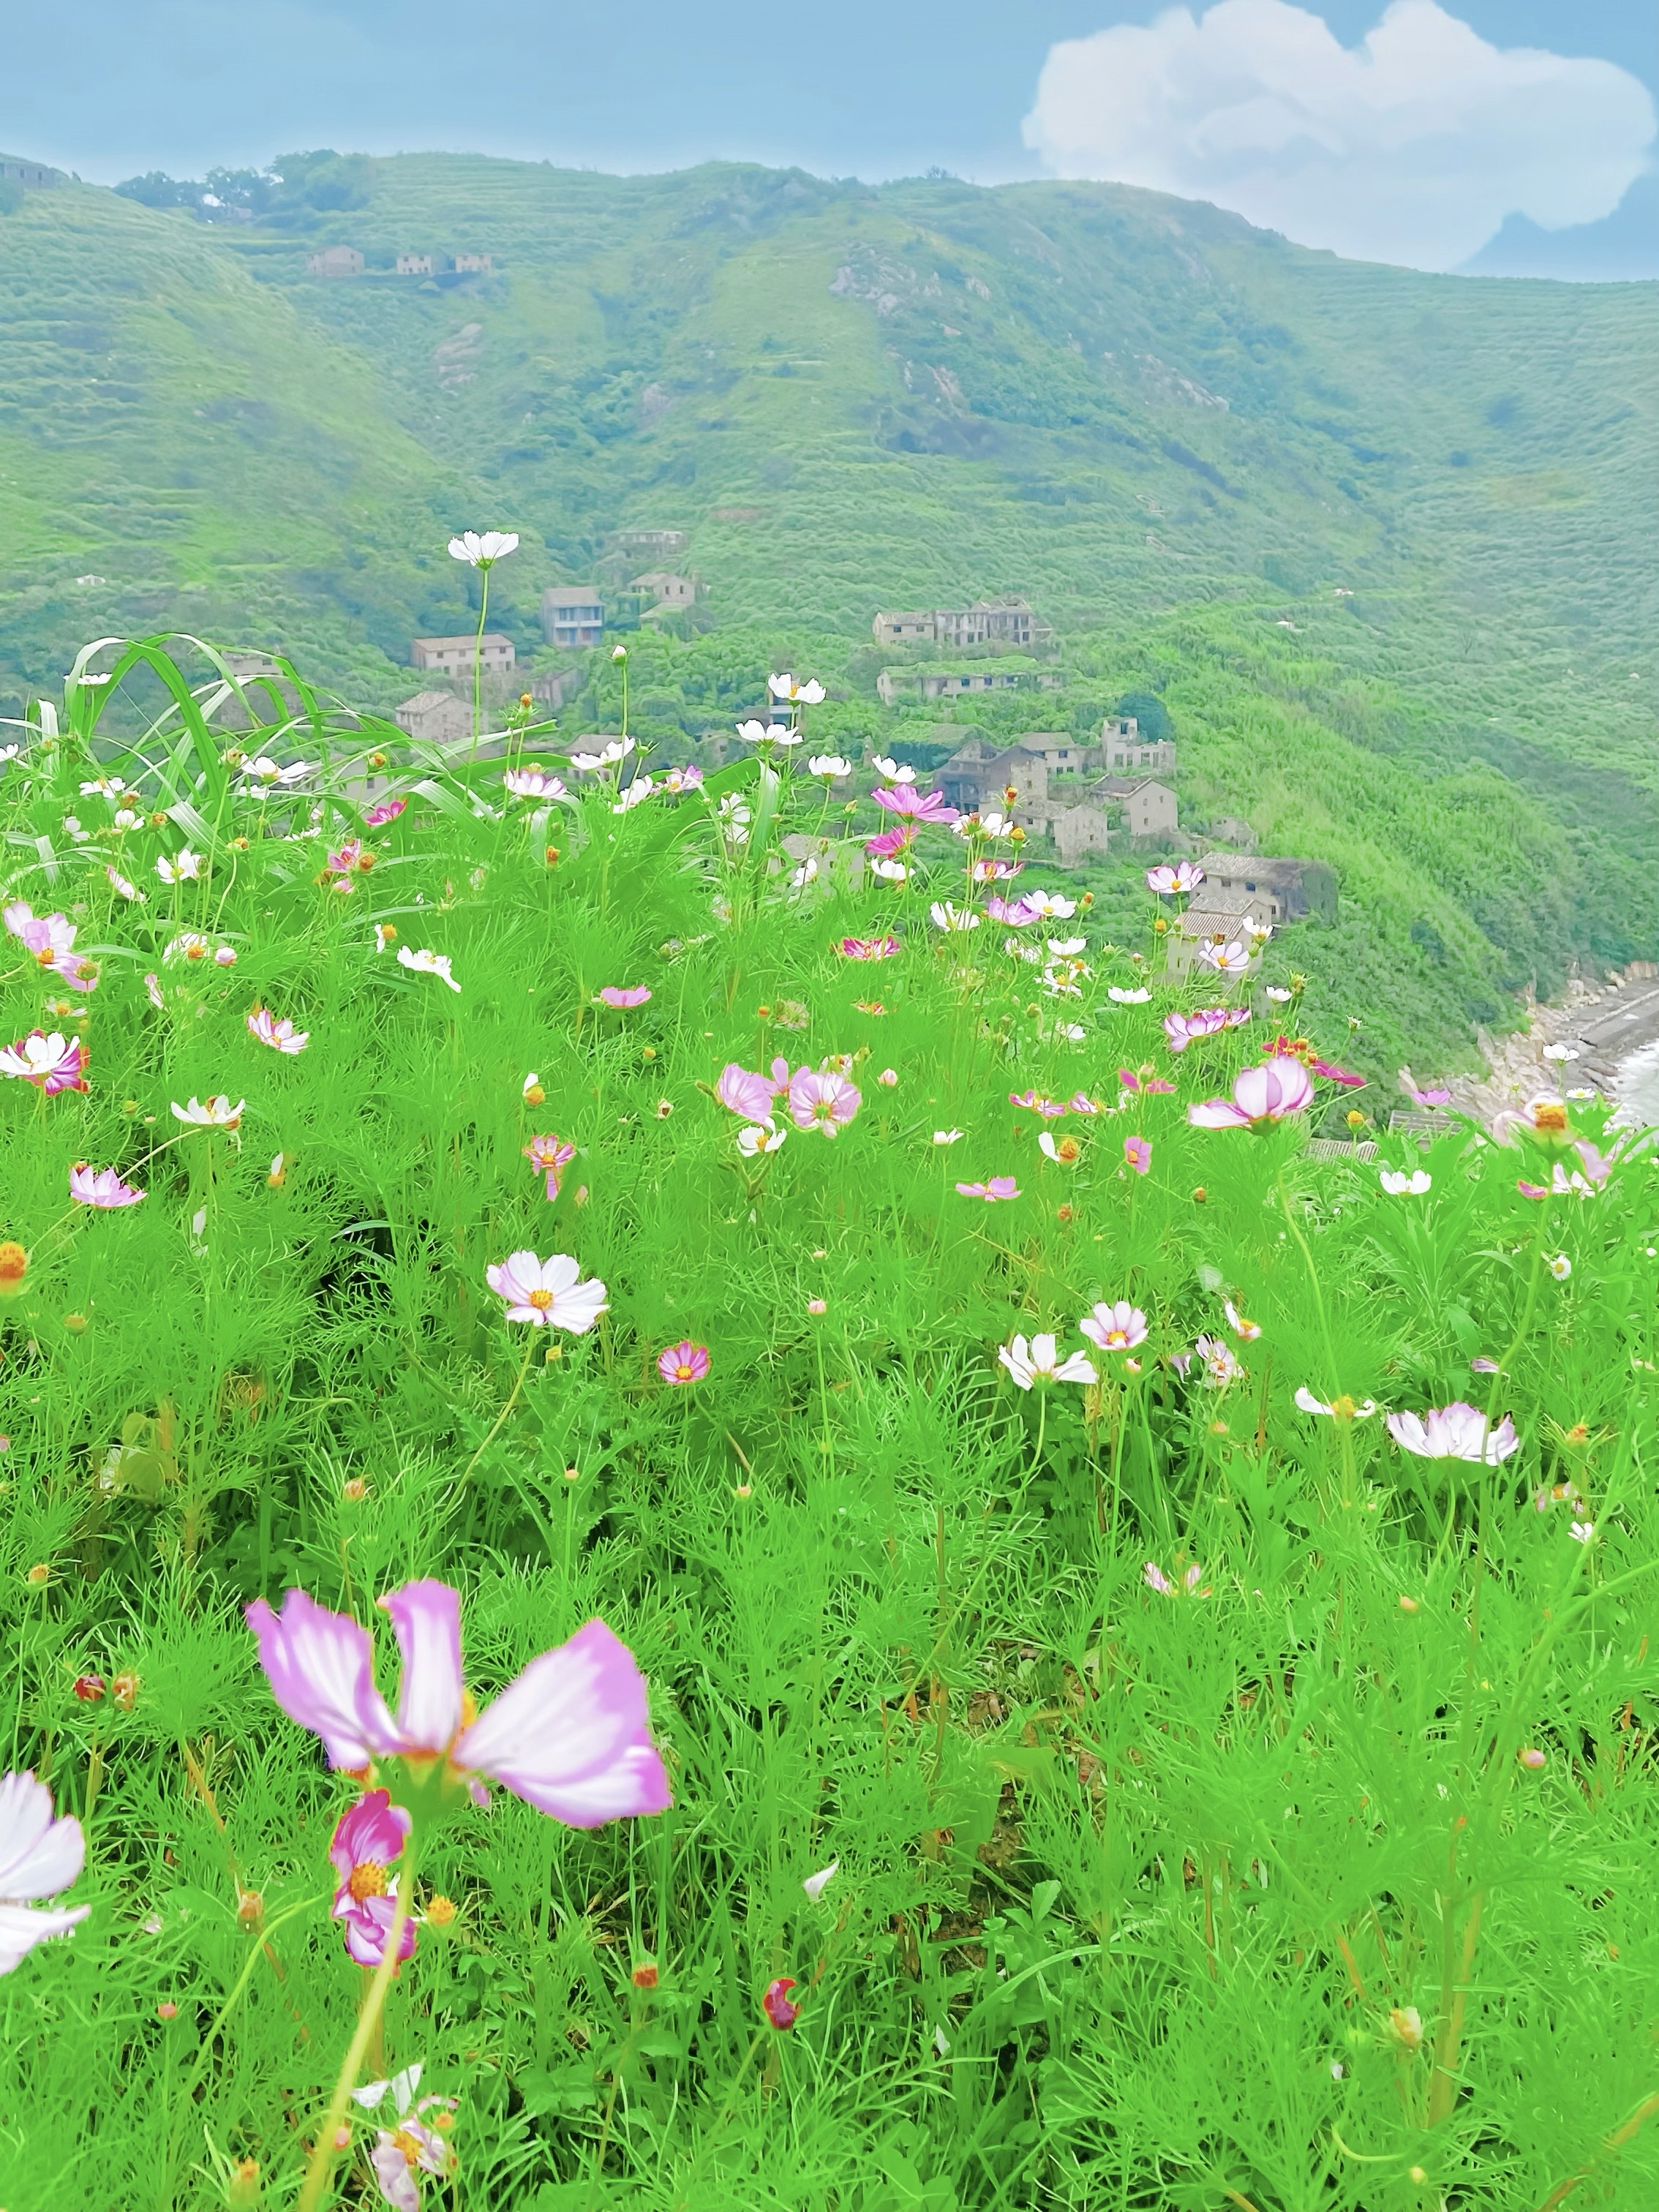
(39, 1856)
(22, 1926)
(425, 1620)
(321, 1669)
(568, 1735)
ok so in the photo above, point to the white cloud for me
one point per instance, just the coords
(1411, 147)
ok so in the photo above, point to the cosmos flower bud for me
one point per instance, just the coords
(1531, 1758)
(775, 2003)
(441, 1911)
(167, 2009)
(14, 1267)
(75, 1323)
(124, 1691)
(250, 1908)
(354, 1490)
(1405, 2026)
(644, 1976)
(89, 1688)
(38, 1575)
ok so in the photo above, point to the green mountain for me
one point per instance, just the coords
(1378, 539)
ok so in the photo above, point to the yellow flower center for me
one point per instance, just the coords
(1117, 1340)
(1342, 1408)
(407, 2143)
(540, 1299)
(1550, 1121)
(367, 1881)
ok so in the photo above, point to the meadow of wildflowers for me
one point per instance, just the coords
(691, 1524)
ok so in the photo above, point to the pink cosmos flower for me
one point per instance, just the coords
(683, 1362)
(995, 871)
(410, 2147)
(346, 859)
(51, 938)
(679, 780)
(282, 1037)
(101, 1187)
(366, 1841)
(546, 1292)
(1154, 1578)
(551, 1155)
(1117, 1327)
(905, 798)
(38, 1857)
(997, 1188)
(1261, 1096)
(567, 1734)
(1454, 1431)
(634, 995)
(775, 2003)
(388, 810)
(1143, 1082)
(1138, 1153)
(746, 1093)
(1342, 1075)
(51, 1063)
(889, 842)
(869, 948)
(1220, 1362)
(1015, 912)
(1185, 876)
(823, 1100)
(1080, 1102)
(1035, 1102)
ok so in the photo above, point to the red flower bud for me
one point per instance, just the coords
(775, 2003)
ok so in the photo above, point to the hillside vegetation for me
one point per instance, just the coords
(1176, 434)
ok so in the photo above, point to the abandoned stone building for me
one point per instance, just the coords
(1124, 748)
(571, 615)
(1006, 621)
(435, 718)
(1280, 889)
(452, 656)
(335, 261)
(665, 589)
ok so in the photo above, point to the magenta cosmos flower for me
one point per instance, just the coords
(1185, 876)
(546, 1293)
(280, 1035)
(51, 938)
(1454, 1431)
(1035, 1102)
(683, 1362)
(101, 1187)
(905, 798)
(1261, 1096)
(614, 995)
(367, 1840)
(997, 1188)
(1137, 1154)
(820, 1098)
(775, 2002)
(552, 1156)
(1015, 913)
(38, 1856)
(567, 1734)
(51, 1062)
(1182, 1029)
(889, 842)
(869, 948)
(1116, 1327)
(388, 810)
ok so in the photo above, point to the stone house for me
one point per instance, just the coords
(1149, 807)
(1124, 748)
(571, 615)
(414, 264)
(1229, 924)
(925, 683)
(977, 780)
(453, 656)
(666, 589)
(1282, 890)
(663, 544)
(435, 718)
(1077, 831)
(335, 261)
(552, 690)
(1006, 621)
(1062, 754)
(35, 176)
(473, 265)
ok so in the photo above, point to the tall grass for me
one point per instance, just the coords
(1230, 1807)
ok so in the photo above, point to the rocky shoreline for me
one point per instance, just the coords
(1586, 1038)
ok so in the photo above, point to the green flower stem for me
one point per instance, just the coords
(320, 2165)
(500, 1418)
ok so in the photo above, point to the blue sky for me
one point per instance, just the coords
(988, 90)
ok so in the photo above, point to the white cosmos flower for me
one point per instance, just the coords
(1279, 997)
(481, 548)
(814, 1883)
(829, 766)
(1045, 903)
(806, 874)
(264, 770)
(1127, 997)
(1397, 1183)
(809, 694)
(1230, 959)
(533, 783)
(607, 756)
(1041, 1362)
(894, 771)
(102, 785)
(1551, 1051)
(428, 963)
(8, 754)
(1066, 948)
(636, 793)
(216, 1113)
(38, 1857)
(122, 887)
(890, 871)
(1339, 1409)
(946, 916)
(760, 1138)
(184, 868)
(947, 1136)
(756, 732)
